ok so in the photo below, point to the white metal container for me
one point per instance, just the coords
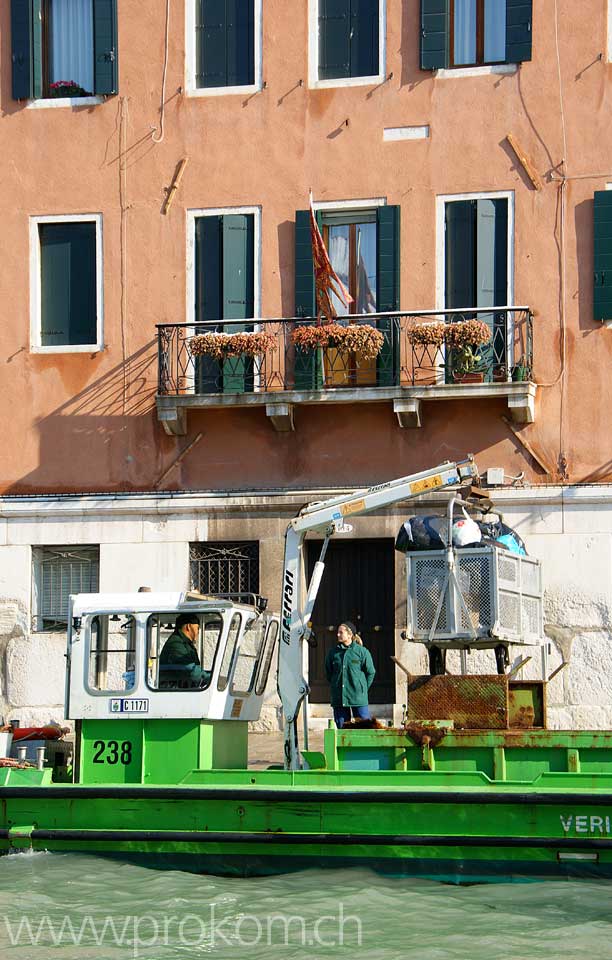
(5, 744)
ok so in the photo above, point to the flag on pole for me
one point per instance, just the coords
(326, 279)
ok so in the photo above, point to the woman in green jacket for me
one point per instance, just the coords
(350, 673)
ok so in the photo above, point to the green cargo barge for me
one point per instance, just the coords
(479, 805)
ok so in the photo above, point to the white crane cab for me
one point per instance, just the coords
(116, 657)
(155, 702)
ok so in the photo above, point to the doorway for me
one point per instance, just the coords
(358, 585)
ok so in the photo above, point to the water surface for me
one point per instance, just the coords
(73, 907)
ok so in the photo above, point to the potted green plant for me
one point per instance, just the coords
(520, 371)
(462, 340)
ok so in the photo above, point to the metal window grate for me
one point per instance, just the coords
(65, 571)
(222, 568)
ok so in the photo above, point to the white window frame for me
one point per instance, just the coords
(50, 103)
(192, 216)
(333, 205)
(191, 89)
(441, 201)
(313, 52)
(36, 345)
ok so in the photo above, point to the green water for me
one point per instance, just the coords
(71, 907)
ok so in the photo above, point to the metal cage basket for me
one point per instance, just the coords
(475, 596)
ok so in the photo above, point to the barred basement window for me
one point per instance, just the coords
(58, 573)
(224, 568)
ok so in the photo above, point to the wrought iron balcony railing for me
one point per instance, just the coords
(404, 359)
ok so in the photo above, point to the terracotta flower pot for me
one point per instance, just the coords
(473, 377)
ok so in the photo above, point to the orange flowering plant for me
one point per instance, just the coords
(222, 345)
(364, 341)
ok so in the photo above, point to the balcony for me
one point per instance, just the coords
(406, 374)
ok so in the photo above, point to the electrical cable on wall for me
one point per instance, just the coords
(162, 106)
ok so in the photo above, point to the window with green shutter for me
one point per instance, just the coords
(459, 33)
(63, 48)
(476, 263)
(602, 256)
(68, 283)
(225, 43)
(349, 38)
(224, 291)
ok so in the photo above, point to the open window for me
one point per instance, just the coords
(63, 48)
(463, 33)
(363, 243)
(177, 660)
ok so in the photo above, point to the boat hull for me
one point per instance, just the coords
(274, 821)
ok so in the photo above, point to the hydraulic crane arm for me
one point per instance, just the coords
(327, 517)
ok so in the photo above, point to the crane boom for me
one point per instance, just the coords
(327, 517)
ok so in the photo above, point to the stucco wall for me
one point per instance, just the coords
(89, 421)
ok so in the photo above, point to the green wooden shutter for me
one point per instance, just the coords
(364, 38)
(387, 288)
(304, 270)
(334, 39)
(435, 34)
(602, 255)
(519, 14)
(240, 39)
(225, 43)
(460, 254)
(68, 284)
(492, 276)
(308, 369)
(211, 31)
(26, 49)
(238, 292)
(105, 47)
(207, 295)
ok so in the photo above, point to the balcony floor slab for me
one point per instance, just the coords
(407, 401)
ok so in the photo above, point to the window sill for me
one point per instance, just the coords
(53, 102)
(347, 82)
(497, 69)
(81, 348)
(224, 91)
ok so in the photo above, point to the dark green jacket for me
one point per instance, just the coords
(350, 673)
(179, 664)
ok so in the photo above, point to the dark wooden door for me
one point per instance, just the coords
(358, 585)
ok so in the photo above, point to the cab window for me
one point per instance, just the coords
(267, 657)
(229, 652)
(248, 658)
(112, 653)
(182, 657)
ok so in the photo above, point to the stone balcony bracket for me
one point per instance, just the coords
(407, 402)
